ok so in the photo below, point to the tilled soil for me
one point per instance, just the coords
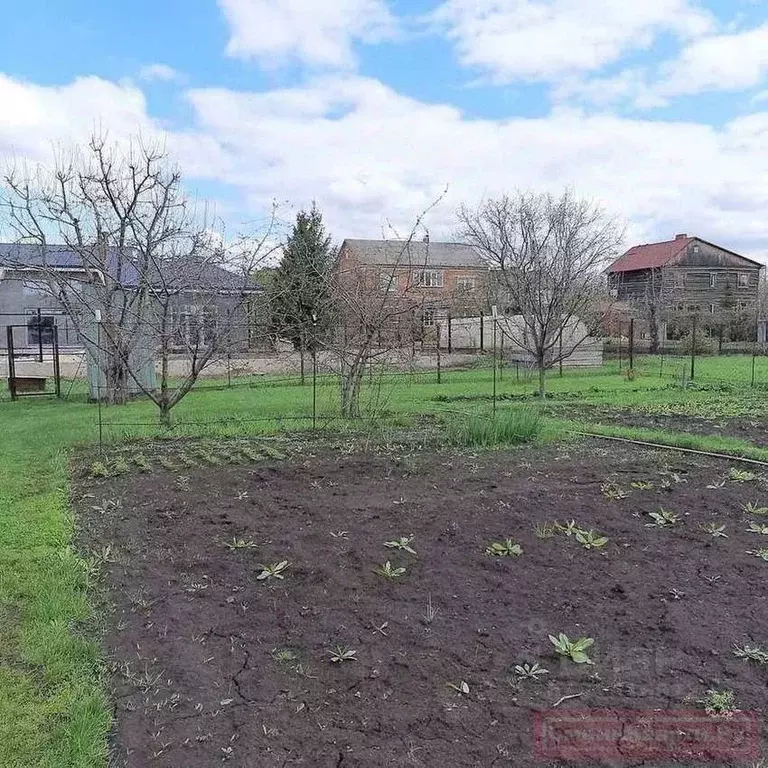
(213, 666)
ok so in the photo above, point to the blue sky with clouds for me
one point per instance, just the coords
(658, 108)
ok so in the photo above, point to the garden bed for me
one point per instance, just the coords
(211, 664)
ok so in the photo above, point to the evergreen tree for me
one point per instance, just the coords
(299, 296)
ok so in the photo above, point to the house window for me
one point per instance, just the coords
(428, 317)
(429, 278)
(466, 284)
(40, 330)
(743, 279)
(197, 326)
(712, 279)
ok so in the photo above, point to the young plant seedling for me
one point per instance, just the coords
(753, 508)
(284, 655)
(613, 492)
(340, 653)
(274, 571)
(339, 534)
(240, 544)
(389, 571)
(762, 553)
(530, 671)
(544, 530)
(403, 543)
(430, 613)
(662, 519)
(758, 528)
(569, 529)
(99, 469)
(752, 653)
(590, 540)
(719, 702)
(741, 475)
(506, 548)
(575, 650)
(642, 485)
(715, 531)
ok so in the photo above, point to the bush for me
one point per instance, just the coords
(705, 345)
(508, 427)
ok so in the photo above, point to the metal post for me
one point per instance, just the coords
(693, 347)
(98, 386)
(56, 364)
(501, 356)
(754, 359)
(229, 368)
(39, 335)
(482, 329)
(632, 344)
(494, 360)
(560, 352)
(11, 364)
(314, 371)
(619, 346)
(439, 372)
(450, 334)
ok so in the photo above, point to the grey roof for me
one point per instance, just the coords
(415, 253)
(180, 274)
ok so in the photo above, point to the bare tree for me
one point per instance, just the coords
(138, 250)
(548, 254)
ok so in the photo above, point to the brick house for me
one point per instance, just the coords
(437, 278)
(684, 277)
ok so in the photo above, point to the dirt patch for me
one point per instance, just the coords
(212, 665)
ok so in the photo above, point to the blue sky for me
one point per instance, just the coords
(658, 108)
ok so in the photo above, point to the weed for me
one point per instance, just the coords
(142, 462)
(719, 702)
(530, 671)
(573, 649)
(752, 653)
(590, 540)
(642, 485)
(99, 469)
(762, 553)
(430, 613)
(613, 491)
(505, 548)
(662, 519)
(509, 427)
(339, 534)
(676, 594)
(717, 484)
(569, 529)
(389, 571)
(715, 531)
(403, 543)
(274, 571)
(741, 475)
(758, 528)
(753, 508)
(108, 505)
(240, 544)
(544, 530)
(340, 653)
(182, 482)
(283, 655)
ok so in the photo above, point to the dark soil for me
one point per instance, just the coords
(194, 636)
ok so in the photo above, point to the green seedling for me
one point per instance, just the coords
(613, 492)
(715, 531)
(274, 571)
(762, 553)
(591, 540)
(341, 653)
(753, 508)
(389, 571)
(752, 653)
(506, 548)
(240, 544)
(719, 702)
(662, 519)
(530, 671)
(403, 543)
(575, 650)
(741, 475)
(284, 655)
(99, 469)
(642, 485)
(758, 528)
(569, 529)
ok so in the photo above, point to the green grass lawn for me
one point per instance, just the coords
(53, 711)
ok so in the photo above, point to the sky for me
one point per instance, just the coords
(657, 109)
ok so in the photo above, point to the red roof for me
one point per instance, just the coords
(651, 255)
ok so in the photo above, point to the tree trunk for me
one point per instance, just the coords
(654, 330)
(301, 358)
(350, 389)
(165, 415)
(117, 381)
(542, 378)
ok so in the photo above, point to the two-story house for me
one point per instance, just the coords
(438, 278)
(684, 277)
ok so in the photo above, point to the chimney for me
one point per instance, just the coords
(681, 237)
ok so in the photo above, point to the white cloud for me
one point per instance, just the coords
(544, 39)
(368, 154)
(316, 32)
(158, 71)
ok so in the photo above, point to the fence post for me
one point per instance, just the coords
(619, 346)
(39, 335)
(693, 347)
(439, 373)
(450, 334)
(482, 332)
(632, 344)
